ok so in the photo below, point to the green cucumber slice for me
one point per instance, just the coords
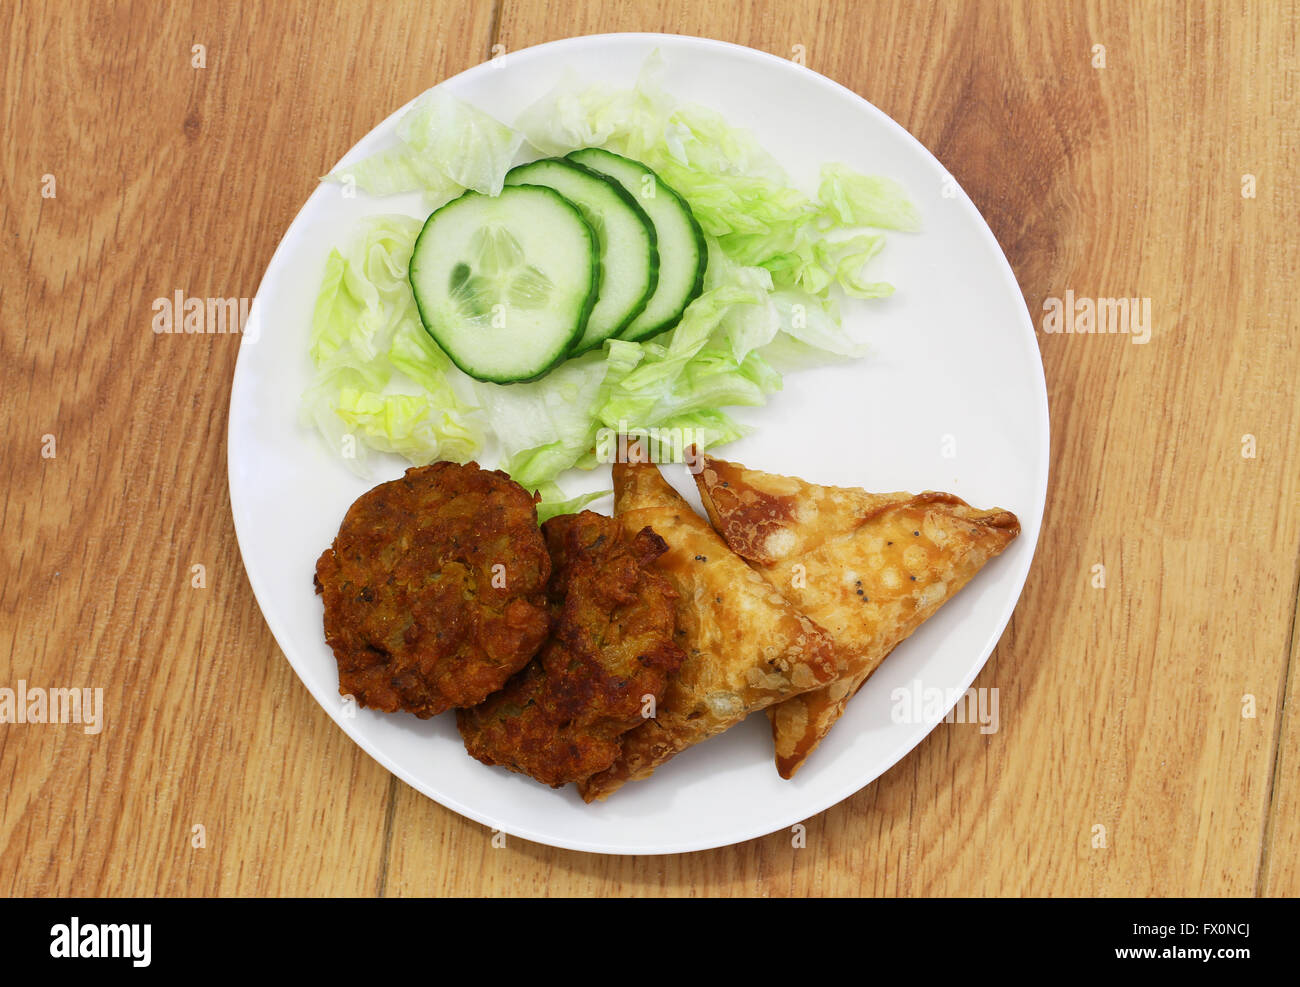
(683, 255)
(625, 239)
(505, 284)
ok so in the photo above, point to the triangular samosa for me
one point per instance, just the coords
(869, 568)
(746, 646)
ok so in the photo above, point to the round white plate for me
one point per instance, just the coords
(952, 398)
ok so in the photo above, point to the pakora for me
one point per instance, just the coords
(435, 589)
(605, 667)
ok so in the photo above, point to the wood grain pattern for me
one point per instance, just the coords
(1120, 707)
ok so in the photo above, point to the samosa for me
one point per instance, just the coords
(747, 647)
(867, 567)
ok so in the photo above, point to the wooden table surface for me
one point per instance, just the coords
(1155, 707)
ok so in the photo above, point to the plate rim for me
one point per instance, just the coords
(839, 793)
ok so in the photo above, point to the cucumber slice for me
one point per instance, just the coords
(683, 255)
(505, 284)
(625, 238)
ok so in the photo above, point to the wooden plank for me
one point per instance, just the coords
(1280, 870)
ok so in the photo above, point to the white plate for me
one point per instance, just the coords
(953, 398)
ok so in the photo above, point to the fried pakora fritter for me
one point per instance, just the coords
(435, 589)
(607, 663)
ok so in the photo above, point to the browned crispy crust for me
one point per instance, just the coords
(765, 517)
(870, 568)
(746, 646)
(435, 589)
(562, 718)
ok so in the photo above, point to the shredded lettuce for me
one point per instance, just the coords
(777, 256)
(544, 426)
(380, 381)
(554, 503)
(445, 146)
(851, 199)
(814, 323)
(687, 373)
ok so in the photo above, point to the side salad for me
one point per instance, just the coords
(649, 267)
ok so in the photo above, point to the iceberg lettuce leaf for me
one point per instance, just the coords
(380, 381)
(445, 145)
(848, 198)
(554, 503)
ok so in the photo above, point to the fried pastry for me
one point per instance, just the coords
(869, 568)
(746, 646)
